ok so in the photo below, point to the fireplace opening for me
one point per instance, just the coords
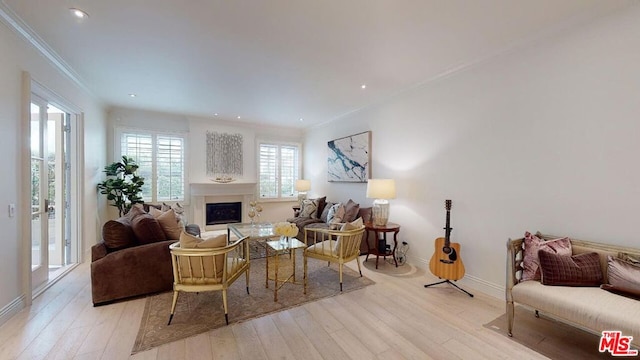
(224, 213)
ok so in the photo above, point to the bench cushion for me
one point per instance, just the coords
(590, 307)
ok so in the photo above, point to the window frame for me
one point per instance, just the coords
(279, 145)
(120, 131)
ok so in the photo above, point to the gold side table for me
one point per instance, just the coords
(279, 270)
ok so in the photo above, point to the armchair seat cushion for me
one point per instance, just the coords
(326, 247)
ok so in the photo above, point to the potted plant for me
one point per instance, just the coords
(123, 185)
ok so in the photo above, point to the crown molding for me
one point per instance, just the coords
(24, 31)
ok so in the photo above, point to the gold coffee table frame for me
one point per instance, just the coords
(282, 274)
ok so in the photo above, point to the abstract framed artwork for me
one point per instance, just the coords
(349, 158)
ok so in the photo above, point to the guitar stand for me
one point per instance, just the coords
(452, 284)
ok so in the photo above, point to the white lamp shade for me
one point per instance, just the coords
(303, 185)
(381, 189)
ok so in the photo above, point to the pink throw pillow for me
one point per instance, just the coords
(533, 244)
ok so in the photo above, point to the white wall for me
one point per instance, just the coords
(544, 138)
(17, 56)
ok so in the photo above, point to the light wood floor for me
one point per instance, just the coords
(397, 318)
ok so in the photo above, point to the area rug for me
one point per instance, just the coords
(200, 312)
(549, 337)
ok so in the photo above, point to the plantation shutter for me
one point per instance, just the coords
(140, 148)
(268, 171)
(170, 168)
(288, 170)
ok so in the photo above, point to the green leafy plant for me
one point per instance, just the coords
(123, 186)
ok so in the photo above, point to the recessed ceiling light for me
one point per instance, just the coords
(132, 95)
(363, 86)
(79, 13)
(238, 116)
(216, 114)
(301, 120)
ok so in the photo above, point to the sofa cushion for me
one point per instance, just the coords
(533, 244)
(147, 229)
(623, 277)
(118, 234)
(590, 307)
(188, 241)
(309, 208)
(351, 209)
(577, 270)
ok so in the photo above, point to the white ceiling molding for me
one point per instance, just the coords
(14, 22)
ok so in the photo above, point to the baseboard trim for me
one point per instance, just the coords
(473, 282)
(11, 309)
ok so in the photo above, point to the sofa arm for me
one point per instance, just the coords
(98, 251)
(132, 271)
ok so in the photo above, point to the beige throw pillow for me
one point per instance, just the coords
(170, 225)
(354, 225)
(188, 241)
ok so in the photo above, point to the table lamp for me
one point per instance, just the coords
(302, 186)
(381, 190)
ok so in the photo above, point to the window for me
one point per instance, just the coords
(160, 158)
(279, 169)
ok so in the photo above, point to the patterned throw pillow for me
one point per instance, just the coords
(178, 210)
(532, 245)
(336, 214)
(577, 270)
(309, 208)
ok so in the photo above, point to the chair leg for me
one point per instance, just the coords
(340, 277)
(304, 280)
(328, 263)
(359, 269)
(247, 273)
(173, 306)
(224, 302)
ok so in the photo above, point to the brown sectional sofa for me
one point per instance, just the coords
(320, 221)
(133, 257)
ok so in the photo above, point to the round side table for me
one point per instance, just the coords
(377, 251)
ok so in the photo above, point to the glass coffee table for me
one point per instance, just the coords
(279, 269)
(256, 231)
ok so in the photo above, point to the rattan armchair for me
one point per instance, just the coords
(337, 246)
(214, 269)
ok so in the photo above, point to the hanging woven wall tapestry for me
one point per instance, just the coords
(349, 158)
(224, 156)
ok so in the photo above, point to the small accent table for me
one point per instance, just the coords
(377, 251)
(285, 272)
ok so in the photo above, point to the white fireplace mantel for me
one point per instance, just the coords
(213, 188)
(202, 193)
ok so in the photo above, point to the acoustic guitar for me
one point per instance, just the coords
(446, 262)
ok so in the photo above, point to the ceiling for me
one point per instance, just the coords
(276, 62)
